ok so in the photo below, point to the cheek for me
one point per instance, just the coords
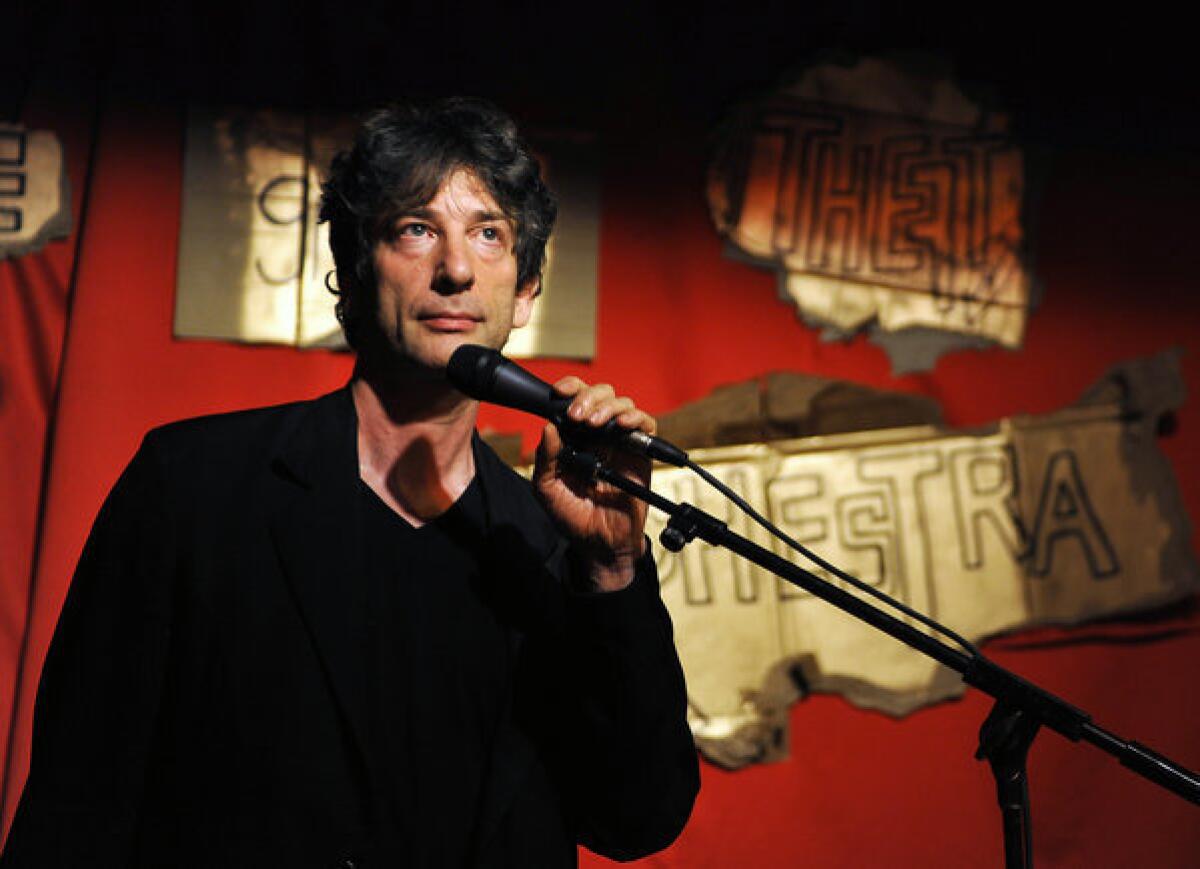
(383, 304)
(393, 299)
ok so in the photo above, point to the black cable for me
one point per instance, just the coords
(822, 563)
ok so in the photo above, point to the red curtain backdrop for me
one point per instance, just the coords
(34, 291)
(677, 318)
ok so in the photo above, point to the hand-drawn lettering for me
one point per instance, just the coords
(12, 180)
(699, 562)
(982, 483)
(1065, 513)
(800, 509)
(281, 202)
(908, 221)
(904, 474)
(867, 524)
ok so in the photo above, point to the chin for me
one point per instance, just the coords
(427, 354)
(437, 355)
(434, 356)
(386, 361)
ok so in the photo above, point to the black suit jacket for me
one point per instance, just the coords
(202, 702)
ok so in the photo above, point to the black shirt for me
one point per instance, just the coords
(441, 669)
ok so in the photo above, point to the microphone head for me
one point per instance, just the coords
(484, 374)
(472, 370)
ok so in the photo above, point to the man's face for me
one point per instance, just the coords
(448, 276)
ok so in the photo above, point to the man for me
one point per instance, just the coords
(340, 632)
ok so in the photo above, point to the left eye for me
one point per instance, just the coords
(490, 233)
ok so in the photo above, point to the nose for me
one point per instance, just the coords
(455, 272)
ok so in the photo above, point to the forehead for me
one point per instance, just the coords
(463, 193)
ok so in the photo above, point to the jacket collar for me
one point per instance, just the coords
(319, 449)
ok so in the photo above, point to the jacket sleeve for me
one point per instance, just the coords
(630, 759)
(97, 702)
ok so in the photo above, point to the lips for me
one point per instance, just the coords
(449, 321)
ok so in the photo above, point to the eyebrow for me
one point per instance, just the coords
(481, 216)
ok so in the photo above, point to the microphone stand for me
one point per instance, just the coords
(1021, 707)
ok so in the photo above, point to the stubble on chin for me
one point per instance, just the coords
(387, 363)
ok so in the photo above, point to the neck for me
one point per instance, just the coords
(414, 442)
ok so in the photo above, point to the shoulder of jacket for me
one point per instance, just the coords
(223, 442)
(231, 425)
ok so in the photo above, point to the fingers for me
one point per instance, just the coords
(596, 404)
(549, 446)
(569, 385)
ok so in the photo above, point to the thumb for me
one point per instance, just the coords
(546, 458)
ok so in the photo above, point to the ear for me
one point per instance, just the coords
(523, 303)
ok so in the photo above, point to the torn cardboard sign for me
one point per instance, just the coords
(35, 198)
(888, 201)
(1048, 519)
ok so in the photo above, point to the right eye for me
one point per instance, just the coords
(414, 230)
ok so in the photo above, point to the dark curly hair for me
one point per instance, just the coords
(400, 157)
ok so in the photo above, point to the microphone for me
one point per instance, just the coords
(485, 374)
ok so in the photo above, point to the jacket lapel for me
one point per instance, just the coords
(318, 538)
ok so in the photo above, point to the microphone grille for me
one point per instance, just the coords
(472, 370)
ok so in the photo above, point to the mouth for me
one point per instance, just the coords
(449, 321)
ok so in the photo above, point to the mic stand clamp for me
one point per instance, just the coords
(686, 524)
(584, 466)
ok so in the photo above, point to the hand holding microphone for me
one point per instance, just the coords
(485, 374)
(605, 523)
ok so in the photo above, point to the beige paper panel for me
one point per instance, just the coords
(706, 587)
(35, 202)
(1046, 520)
(887, 199)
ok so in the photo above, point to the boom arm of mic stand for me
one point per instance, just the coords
(1024, 705)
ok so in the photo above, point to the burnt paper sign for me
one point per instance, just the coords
(888, 201)
(35, 197)
(1038, 520)
(254, 260)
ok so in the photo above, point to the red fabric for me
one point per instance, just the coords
(32, 313)
(33, 308)
(677, 319)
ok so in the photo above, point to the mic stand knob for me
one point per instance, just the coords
(686, 524)
(579, 464)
